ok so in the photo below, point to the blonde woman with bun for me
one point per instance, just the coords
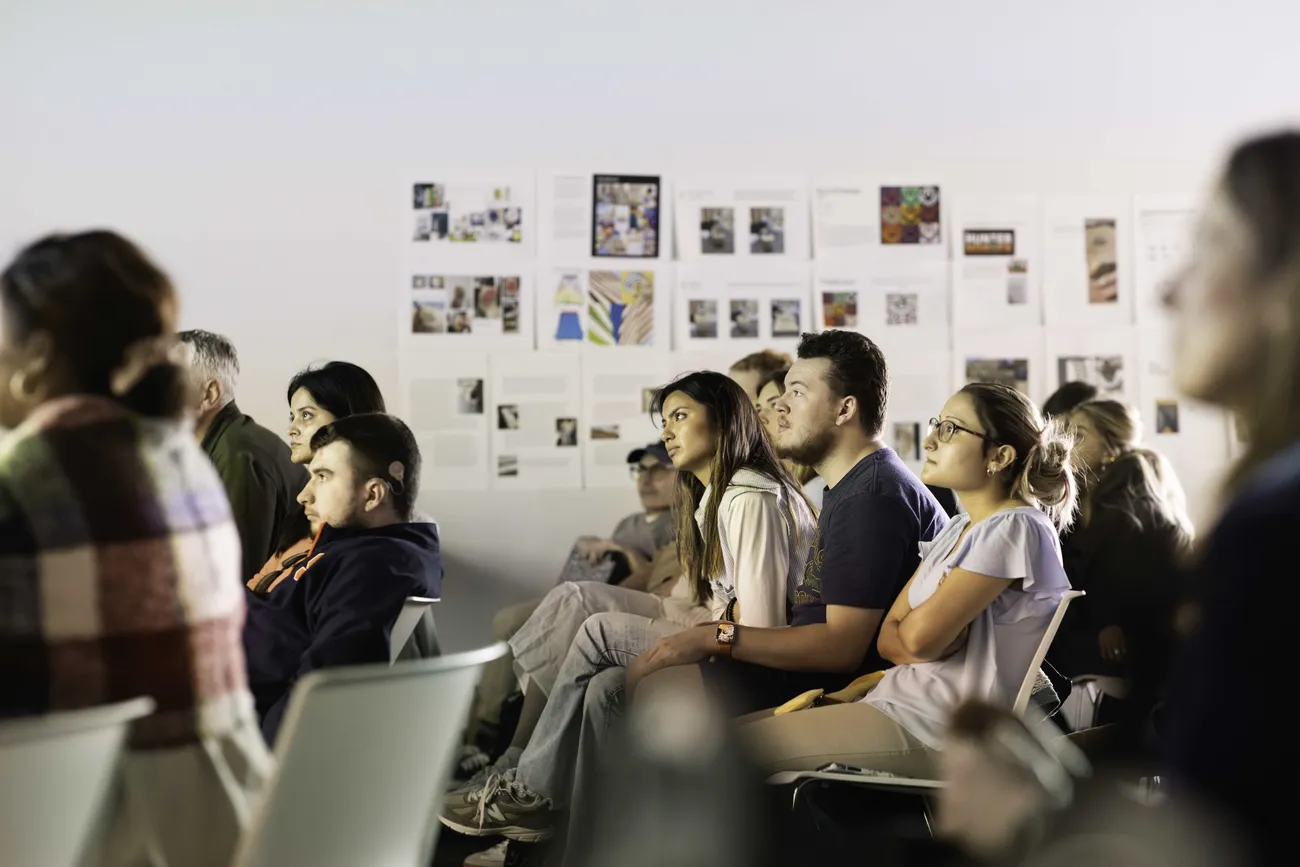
(968, 622)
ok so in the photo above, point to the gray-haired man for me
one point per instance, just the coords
(261, 480)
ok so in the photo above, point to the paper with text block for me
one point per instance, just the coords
(616, 396)
(536, 421)
(444, 400)
(760, 218)
(997, 273)
(1088, 274)
(741, 307)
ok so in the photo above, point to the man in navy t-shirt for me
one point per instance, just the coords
(874, 515)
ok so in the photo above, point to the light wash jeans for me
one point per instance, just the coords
(540, 645)
(587, 696)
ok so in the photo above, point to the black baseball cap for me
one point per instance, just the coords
(656, 450)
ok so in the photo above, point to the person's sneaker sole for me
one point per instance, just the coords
(510, 832)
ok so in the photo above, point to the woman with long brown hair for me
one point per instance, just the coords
(744, 533)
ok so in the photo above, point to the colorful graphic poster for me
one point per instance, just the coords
(594, 308)
(625, 216)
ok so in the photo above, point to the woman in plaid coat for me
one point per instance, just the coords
(119, 560)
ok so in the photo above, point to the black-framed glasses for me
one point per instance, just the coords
(945, 429)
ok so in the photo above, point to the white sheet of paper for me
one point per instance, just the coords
(451, 219)
(760, 218)
(536, 421)
(602, 215)
(1106, 358)
(616, 395)
(856, 218)
(884, 299)
(1162, 238)
(617, 306)
(1088, 274)
(491, 309)
(997, 274)
(1012, 357)
(444, 397)
(1196, 438)
(920, 382)
(741, 307)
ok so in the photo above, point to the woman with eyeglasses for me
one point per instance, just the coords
(967, 624)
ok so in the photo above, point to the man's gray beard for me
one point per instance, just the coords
(811, 451)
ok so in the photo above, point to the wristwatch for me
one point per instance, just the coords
(726, 637)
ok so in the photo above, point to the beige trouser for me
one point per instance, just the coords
(499, 675)
(852, 734)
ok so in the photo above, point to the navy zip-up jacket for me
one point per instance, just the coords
(337, 609)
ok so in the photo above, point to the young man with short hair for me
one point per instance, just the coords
(367, 558)
(875, 514)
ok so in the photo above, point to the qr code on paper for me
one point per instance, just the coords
(900, 309)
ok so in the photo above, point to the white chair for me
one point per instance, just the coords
(363, 757)
(414, 634)
(884, 781)
(57, 774)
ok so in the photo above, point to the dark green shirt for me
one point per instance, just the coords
(261, 481)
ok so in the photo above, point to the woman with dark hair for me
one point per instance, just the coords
(1236, 342)
(317, 396)
(744, 533)
(1132, 525)
(967, 624)
(121, 569)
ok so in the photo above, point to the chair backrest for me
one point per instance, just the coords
(57, 774)
(414, 612)
(1027, 685)
(364, 756)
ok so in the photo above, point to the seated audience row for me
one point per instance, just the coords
(847, 633)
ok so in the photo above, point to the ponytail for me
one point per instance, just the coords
(1046, 477)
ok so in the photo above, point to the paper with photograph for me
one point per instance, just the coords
(625, 306)
(920, 383)
(468, 310)
(601, 215)
(907, 298)
(1105, 358)
(997, 262)
(857, 218)
(1014, 357)
(1162, 230)
(449, 211)
(443, 398)
(536, 433)
(616, 395)
(1199, 440)
(760, 218)
(1087, 262)
(743, 306)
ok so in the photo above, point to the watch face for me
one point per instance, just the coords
(726, 633)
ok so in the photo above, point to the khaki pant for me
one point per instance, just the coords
(499, 675)
(852, 734)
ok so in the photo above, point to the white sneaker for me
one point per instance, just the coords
(494, 857)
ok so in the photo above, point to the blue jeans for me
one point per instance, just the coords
(585, 699)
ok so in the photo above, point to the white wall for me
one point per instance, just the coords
(255, 147)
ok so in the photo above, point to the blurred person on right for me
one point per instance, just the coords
(1064, 400)
(1132, 526)
(119, 574)
(1236, 344)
